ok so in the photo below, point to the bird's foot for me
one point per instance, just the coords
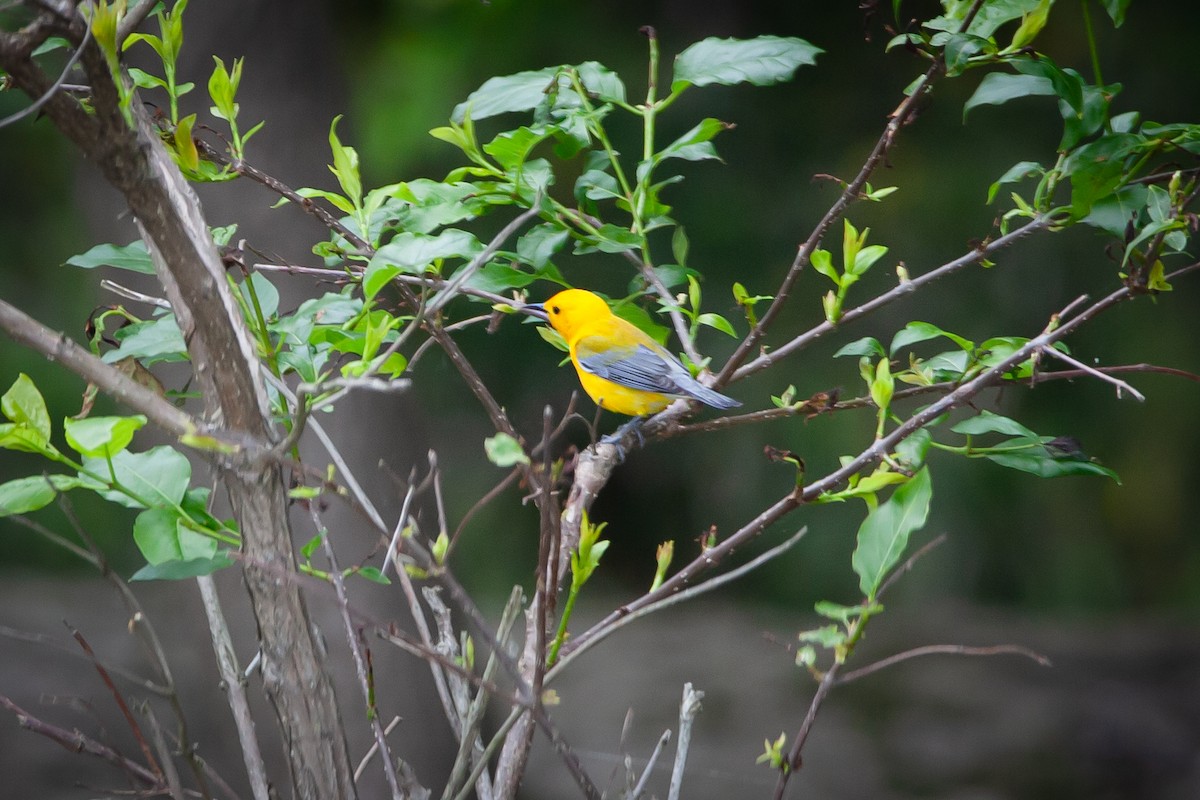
(635, 426)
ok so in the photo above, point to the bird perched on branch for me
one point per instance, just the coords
(620, 367)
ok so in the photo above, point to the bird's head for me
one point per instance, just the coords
(570, 309)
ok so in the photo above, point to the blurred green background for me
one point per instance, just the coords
(1073, 549)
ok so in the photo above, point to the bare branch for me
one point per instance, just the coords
(689, 707)
(77, 742)
(951, 649)
(235, 686)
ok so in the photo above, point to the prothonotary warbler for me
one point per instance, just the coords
(620, 367)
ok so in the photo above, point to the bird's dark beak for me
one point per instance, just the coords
(535, 310)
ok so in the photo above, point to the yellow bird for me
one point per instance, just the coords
(621, 368)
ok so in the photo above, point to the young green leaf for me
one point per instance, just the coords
(23, 495)
(345, 165)
(24, 406)
(101, 437)
(504, 451)
(883, 536)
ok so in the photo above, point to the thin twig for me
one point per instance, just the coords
(134, 728)
(640, 787)
(170, 774)
(1121, 385)
(902, 289)
(909, 563)
(78, 742)
(373, 749)
(689, 707)
(356, 650)
(586, 641)
(793, 760)
(130, 294)
(233, 683)
(951, 649)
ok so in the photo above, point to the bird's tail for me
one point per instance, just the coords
(709, 397)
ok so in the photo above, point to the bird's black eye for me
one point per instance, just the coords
(555, 309)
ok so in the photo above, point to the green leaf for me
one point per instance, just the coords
(988, 422)
(24, 405)
(345, 165)
(23, 495)
(268, 295)
(178, 570)
(1040, 462)
(413, 253)
(911, 450)
(373, 574)
(100, 437)
(1017, 172)
(761, 61)
(718, 322)
(694, 145)
(822, 262)
(595, 184)
(998, 88)
(883, 536)
(828, 636)
(865, 258)
(610, 238)
(504, 451)
(883, 385)
(602, 82)
(541, 242)
(221, 89)
(518, 92)
(338, 201)
(132, 256)
(498, 278)
(221, 234)
(161, 536)
(915, 332)
(417, 250)
(867, 346)
(1031, 25)
(144, 80)
(511, 148)
(1116, 10)
(51, 44)
(185, 147)
(159, 477)
(149, 342)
